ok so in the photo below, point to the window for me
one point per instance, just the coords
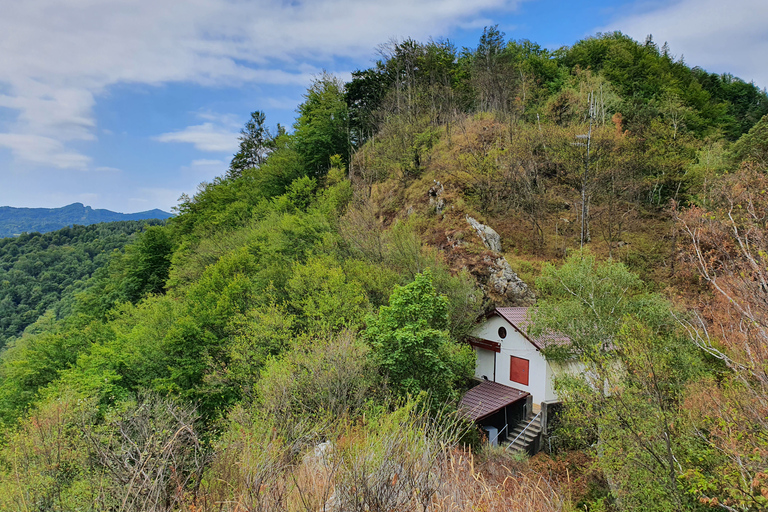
(502, 332)
(518, 370)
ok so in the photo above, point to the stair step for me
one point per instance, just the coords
(524, 434)
(531, 430)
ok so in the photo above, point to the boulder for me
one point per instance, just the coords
(490, 238)
(505, 282)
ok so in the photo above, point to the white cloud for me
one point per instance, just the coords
(282, 103)
(712, 34)
(208, 163)
(58, 56)
(205, 137)
(43, 150)
(230, 120)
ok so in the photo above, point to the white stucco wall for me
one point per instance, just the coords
(486, 363)
(514, 344)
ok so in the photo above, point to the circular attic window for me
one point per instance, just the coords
(502, 332)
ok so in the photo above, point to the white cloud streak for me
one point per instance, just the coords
(58, 56)
(715, 35)
(42, 150)
(205, 137)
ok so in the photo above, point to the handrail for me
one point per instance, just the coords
(523, 431)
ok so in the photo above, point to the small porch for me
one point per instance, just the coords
(498, 409)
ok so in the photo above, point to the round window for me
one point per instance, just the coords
(502, 332)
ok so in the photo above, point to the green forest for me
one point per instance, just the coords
(43, 273)
(295, 337)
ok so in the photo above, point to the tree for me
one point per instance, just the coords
(637, 365)
(587, 302)
(492, 74)
(256, 143)
(411, 345)
(322, 128)
(753, 146)
(148, 263)
(727, 248)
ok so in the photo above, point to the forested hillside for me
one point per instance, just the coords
(295, 338)
(15, 221)
(42, 272)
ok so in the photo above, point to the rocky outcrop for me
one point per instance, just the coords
(490, 238)
(435, 201)
(503, 281)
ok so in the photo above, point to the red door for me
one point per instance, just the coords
(518, 370)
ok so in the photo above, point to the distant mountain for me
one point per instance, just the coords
(14, 221)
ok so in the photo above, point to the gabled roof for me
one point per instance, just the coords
(488, 397)
(519, 319)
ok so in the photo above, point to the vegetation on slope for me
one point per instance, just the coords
(292, 339)
(41, 272)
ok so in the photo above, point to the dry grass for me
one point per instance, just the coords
(493, 486)
(456, 481)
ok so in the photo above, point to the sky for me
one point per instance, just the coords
(127, 104)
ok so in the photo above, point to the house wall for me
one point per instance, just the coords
(555, 370)
(514, 344)
(486, 363)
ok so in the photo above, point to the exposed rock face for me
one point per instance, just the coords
(490, 238)
(504, 281)
(434, 197)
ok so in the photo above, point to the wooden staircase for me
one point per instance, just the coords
(524, 437)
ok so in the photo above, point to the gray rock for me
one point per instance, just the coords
(435, 200)
(504, 281)
(490, 238)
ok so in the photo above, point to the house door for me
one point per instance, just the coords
(518, 370)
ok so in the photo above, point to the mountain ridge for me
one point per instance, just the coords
(15, 221)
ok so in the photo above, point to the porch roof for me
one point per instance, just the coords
(488, 397)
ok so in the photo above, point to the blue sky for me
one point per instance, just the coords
(127, 104)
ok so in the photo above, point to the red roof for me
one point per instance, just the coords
(519, 319)
(488, 397)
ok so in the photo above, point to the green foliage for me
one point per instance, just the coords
(587, 301)
(753, 146)
(260, 334)
(321, 130)
(256, 142)
(319, 378)
(627, 401)
(148, 262)
(411, 345)
(32, 362)
(44, 463)
(141, 455)
(325, 299)
(39, 272)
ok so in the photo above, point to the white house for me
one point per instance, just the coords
(508, 355)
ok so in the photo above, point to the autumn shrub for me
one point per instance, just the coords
(148, 453)
(319, 378)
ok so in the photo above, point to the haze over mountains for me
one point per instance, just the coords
(14, 221)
